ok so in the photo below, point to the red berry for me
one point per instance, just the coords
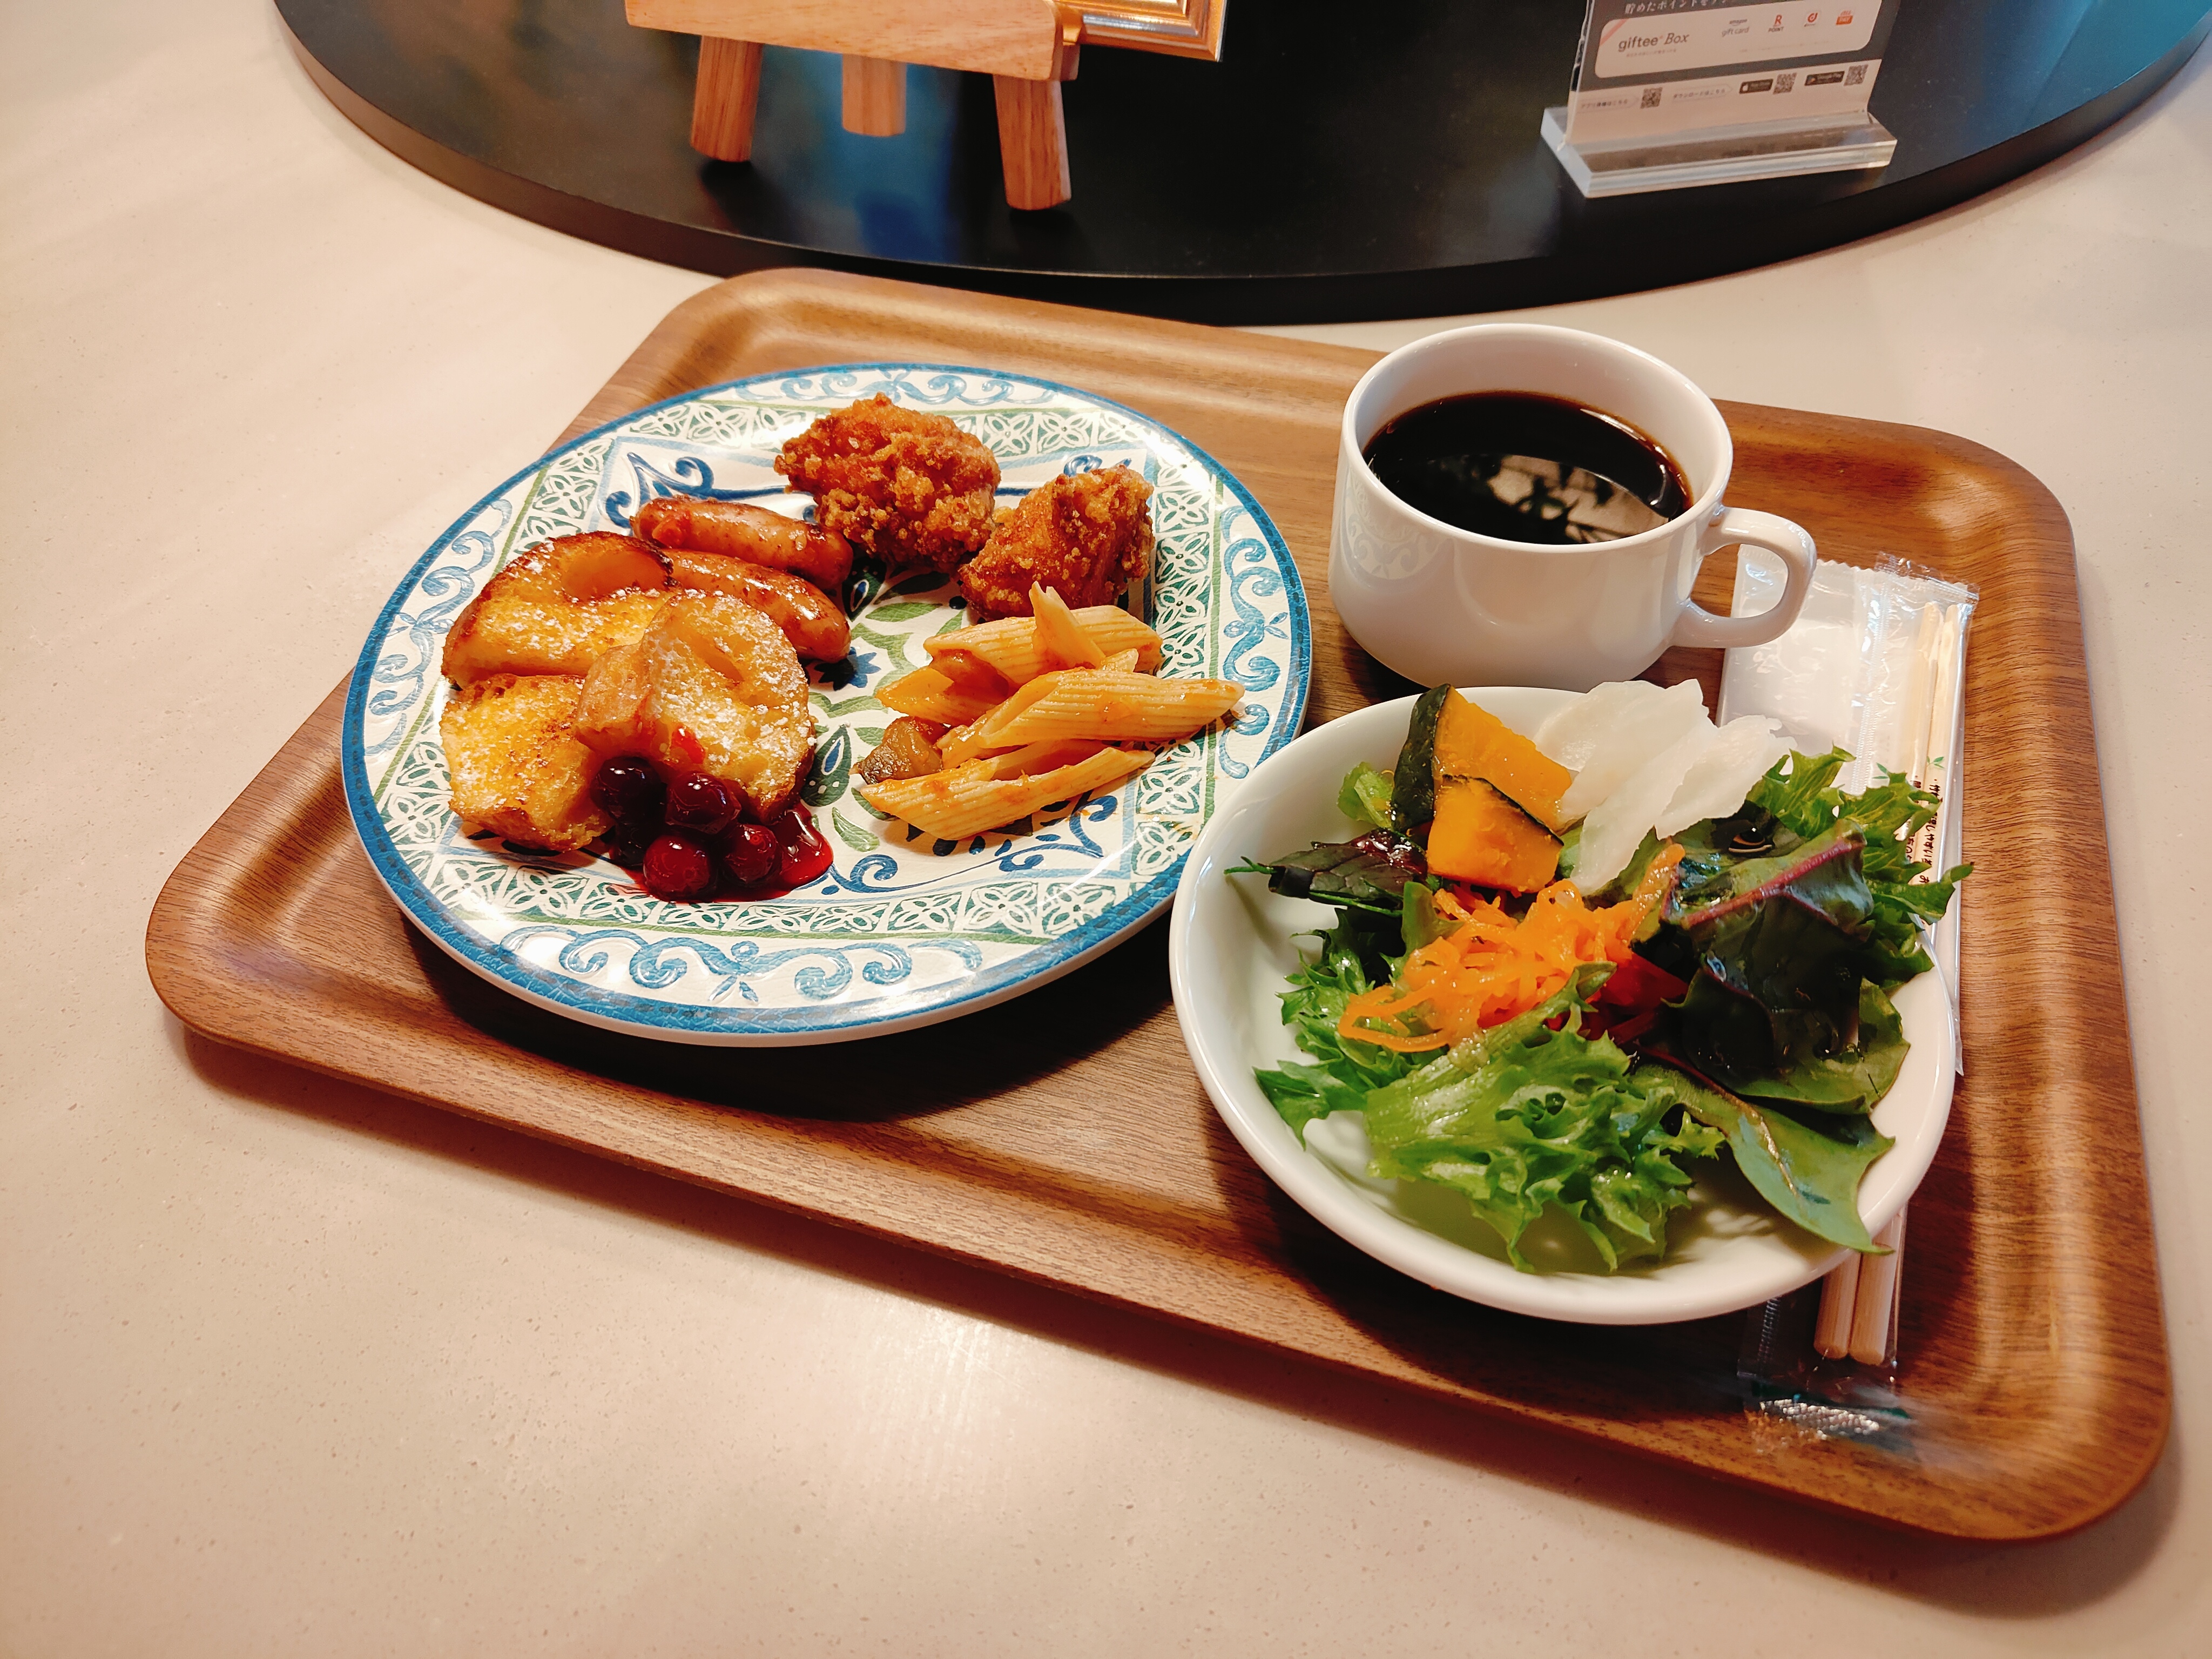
(804, 853)
(750, 853)
(628, 839)
(700, 804)
(629, 788)
(678, 867)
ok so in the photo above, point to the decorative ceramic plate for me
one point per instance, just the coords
(902, 930)
(1233, 946)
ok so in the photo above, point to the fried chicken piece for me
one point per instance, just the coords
(1089, 536)
(911, 488)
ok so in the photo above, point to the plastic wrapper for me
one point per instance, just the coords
(1875, 664)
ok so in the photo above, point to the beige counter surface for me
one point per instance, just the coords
(287, 1367)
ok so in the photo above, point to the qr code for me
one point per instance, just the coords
(1651, 96)
(1785, 83)
(1855, 75)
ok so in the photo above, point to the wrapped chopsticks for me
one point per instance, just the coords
(1875, 665)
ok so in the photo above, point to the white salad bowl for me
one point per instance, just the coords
(1231, 948)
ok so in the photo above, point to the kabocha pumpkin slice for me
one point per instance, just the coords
(515, 764)
(1479, 836)
(1473, 743)
(712, 686)
(558, 608)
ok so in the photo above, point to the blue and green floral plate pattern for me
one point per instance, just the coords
(902, 931)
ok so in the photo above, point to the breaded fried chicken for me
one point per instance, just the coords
(1089, 536)
(911, 488)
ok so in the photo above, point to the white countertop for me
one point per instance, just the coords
(286, 1366)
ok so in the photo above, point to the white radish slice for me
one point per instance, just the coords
(1570, 735)
(1629, 722)
(1718, 780)
(1615, 827)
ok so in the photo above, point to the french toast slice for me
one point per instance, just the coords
(711, 686)
(559, 608)
(516, 766)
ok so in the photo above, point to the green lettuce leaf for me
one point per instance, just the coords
(1809, 1169)
(1798, 800)
(1784, 972)
(1418, 921)
(1524, 1117)
(1850, 1081)
(1352, 958)
(1364, 796)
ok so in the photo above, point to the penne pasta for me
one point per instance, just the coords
(964, 743)
(1035, 758)
(1010, 644)
(1108, 703)
(974, 678)
(1017, 747)
(987, 728)
(1060, 639)
(967, 800)
(930, 694)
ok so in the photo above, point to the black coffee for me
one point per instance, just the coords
(1525, 468)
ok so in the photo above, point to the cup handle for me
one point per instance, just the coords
(1695, 625)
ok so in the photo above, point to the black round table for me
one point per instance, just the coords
(1338, 163)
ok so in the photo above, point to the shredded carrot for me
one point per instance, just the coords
(1492, 968)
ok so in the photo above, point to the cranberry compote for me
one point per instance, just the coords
(678, 866)
(751, 853)
(688, 840)
(804, 853)
(700, 804)
(629, 788)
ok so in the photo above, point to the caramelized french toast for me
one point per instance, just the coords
(515, 763)
(559, 608)
(712, 685)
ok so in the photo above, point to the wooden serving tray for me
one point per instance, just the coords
(1062, 1137)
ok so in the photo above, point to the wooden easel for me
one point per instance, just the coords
(1027, 47)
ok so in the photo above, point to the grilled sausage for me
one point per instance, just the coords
(741, 531)
(809, 618)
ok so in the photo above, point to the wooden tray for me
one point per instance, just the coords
(1063, 1138)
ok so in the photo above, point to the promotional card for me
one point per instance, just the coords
(1655, 68)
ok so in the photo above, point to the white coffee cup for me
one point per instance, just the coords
(1444, 606)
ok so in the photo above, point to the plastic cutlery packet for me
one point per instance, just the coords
(1875, 664)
